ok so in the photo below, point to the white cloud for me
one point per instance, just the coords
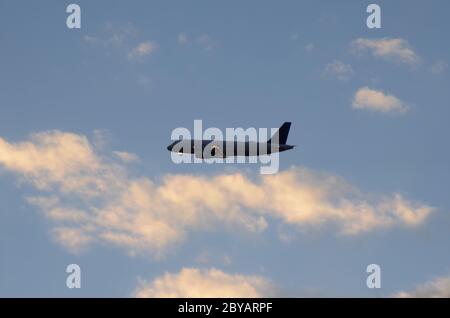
(91, 199)
(142, 50)
(396, 49)
(436, 288)
(74, 239)
(339, 70)
(370, 99)
(126, 157)
(123, 39)
(113, 36)
(198, 283)
(182, 38)
(49, 158)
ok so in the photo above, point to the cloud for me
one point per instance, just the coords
(205, 41)
(142, 50)
(182, 38)
(439, 67)
(370, 99)
(339, 70)
(309, 47)
(90, 39)
(91, 198)
(113, 36)
(437, 288)
(396, 49)
(126, 157)
(49, 158)
(123, 39)
(199, 283)
(101, 138)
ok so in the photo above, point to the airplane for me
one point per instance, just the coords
(221, 149)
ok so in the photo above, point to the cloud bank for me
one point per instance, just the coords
(91, 198)
(436, 288)
(198, 283)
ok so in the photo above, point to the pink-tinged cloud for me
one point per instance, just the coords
(91, 198)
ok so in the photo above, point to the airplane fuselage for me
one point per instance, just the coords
(223, 149)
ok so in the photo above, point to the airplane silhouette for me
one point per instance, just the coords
(221, 149)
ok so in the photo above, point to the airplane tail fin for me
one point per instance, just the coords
(282, 134)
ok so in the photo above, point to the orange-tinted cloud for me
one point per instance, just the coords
(91, 198)
(198, 283)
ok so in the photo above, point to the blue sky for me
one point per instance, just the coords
(231, 64)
